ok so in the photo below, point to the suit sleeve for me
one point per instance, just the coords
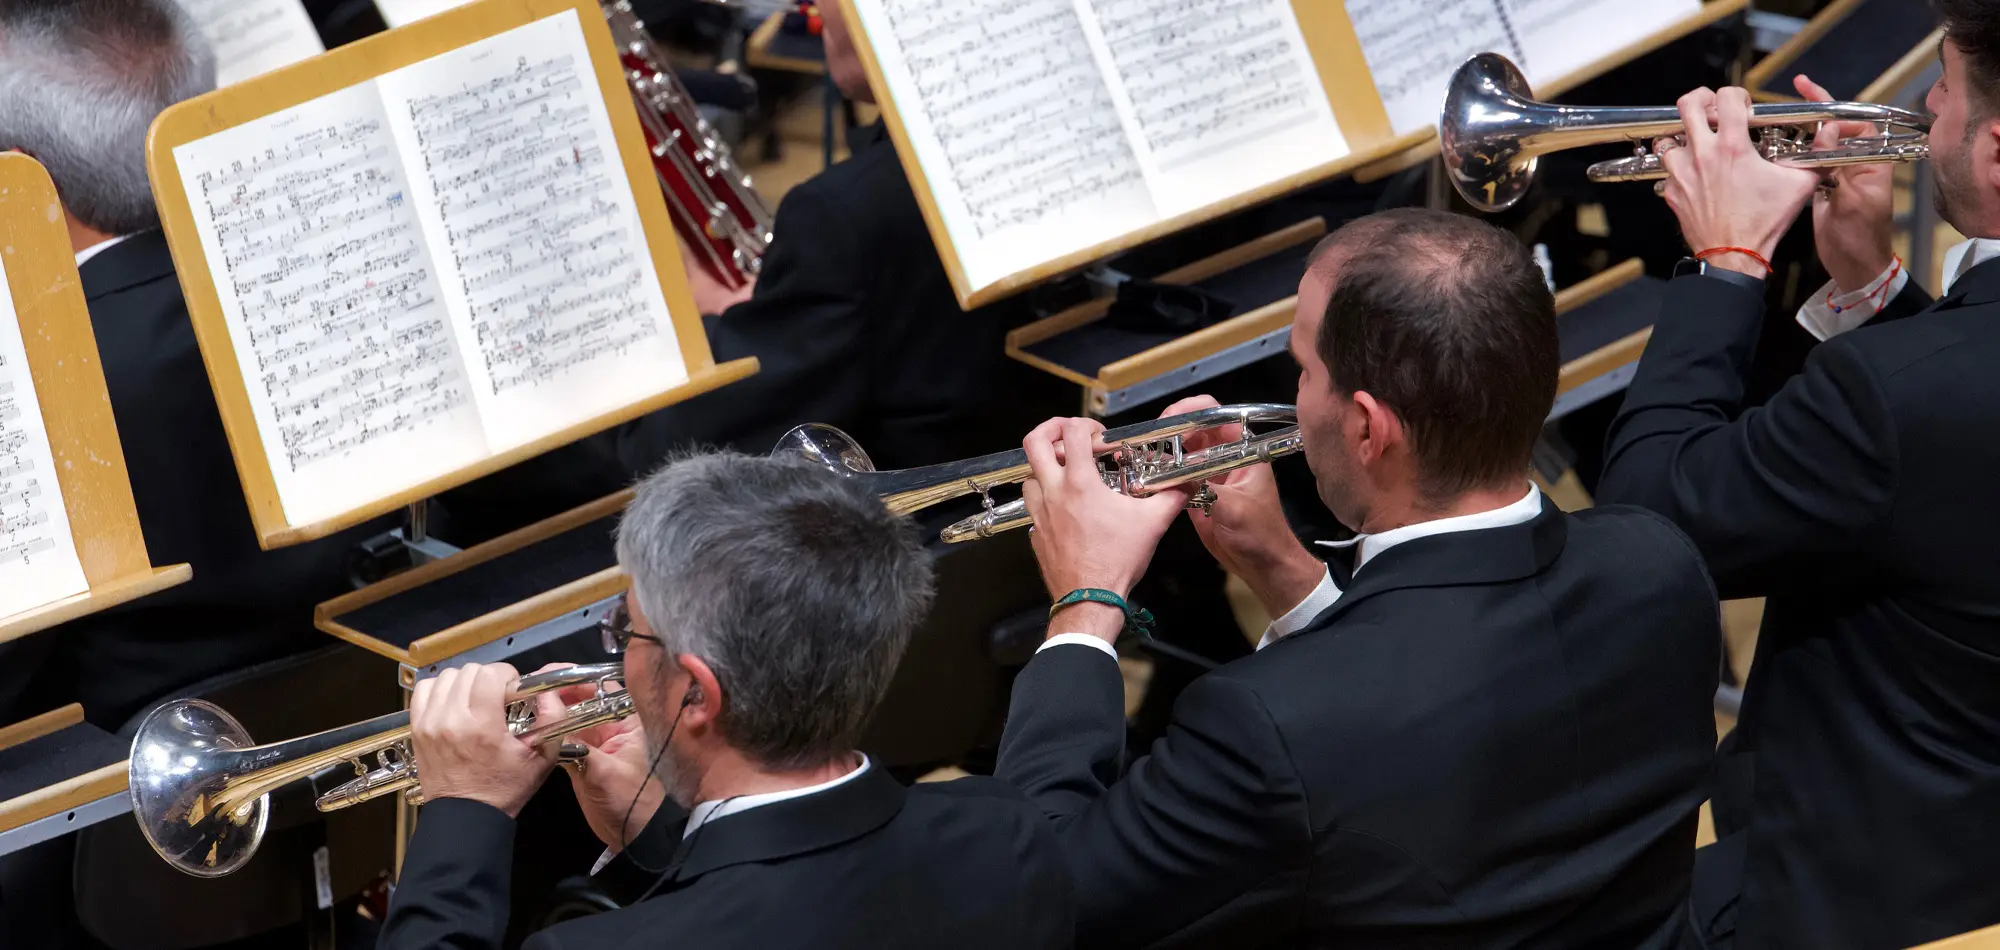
(1215, 809)
(453, 891)
(1810, 474)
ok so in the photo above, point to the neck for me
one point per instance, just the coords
(83, 237)
(733, 776)
(1413, 508)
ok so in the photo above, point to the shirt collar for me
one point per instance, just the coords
(1372, 545)
(1962, 258)
(711, 810)
(99, 248)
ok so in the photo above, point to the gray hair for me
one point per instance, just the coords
(80, 84)
(795, 585)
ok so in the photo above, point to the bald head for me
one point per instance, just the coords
(1448, 321)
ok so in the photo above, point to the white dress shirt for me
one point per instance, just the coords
(1830, 313)
(706, 812)
(1371, 547)
(99, 248)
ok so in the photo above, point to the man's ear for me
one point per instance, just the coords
(702, 702)
(1991, 135)
(1378, 431)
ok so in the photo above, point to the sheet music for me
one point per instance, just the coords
(400, 12)
(332, 303)
(1414, 46)
(532, 220)
(38, 561)
(1009, 114)
(253, 37)
(1559, 37)
(1221, 96)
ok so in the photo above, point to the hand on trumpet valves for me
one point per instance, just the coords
(1245, 529)
(464, 748)
(1724, 191)
(613, 787)
(1086, 534)
(1854, 218)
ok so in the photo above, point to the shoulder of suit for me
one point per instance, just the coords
(1890, 349)
(973, 791)
(869, 188)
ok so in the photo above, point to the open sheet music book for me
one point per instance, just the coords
(1414, 46)
(1047, 127)
(253, 37)
(431, 267)
(38, 560)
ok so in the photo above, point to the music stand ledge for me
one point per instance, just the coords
(62, 774)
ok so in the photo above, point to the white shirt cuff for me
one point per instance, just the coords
(1323, 596)
(1080, 639)
(1829, 313)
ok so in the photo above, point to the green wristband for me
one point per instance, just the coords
(1138, 620)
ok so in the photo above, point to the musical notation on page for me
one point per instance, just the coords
(544, 263)
(531, 217)
(1207, 74)
(1414, 46)
(38, 559)
(253, 37)
(332, 301)
(1023, 118)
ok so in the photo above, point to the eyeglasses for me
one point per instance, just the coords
(616, 627)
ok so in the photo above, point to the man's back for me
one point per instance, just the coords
(1515, 763)
(1866, 763)
(1494, 738)
(964, 864)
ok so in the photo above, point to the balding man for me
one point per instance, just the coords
(1486, 723)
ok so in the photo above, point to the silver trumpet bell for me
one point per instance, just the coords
(201, 788)
(1494, 133)
(1142, 459)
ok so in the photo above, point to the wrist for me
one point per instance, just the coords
(1102, 621)
(1860, 273)
(1284, 581)
(1747, 261)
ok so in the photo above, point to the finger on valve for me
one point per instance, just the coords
(1732, 107)
(1697, 110)
(1082, 432)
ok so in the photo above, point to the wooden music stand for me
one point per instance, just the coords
(1343, 72)
(76, 409)
(58, 773)
(348, 66)
(1985, 939)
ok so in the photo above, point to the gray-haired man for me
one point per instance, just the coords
(770, 604)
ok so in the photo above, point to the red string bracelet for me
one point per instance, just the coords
(1746, 252)
(1879, 295)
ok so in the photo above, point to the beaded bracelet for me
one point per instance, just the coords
(1138, 620)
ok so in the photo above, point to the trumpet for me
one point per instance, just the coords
(1142, 459)
(1494, 134)
(201, 790)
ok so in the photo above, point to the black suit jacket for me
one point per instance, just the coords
(1860, 500)
(865, 865)
(244, 605)
(854, 323)
(1494, 738)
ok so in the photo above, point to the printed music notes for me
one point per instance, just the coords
(253, 37)
(38, 561)
(1048, 126)
(431, 267)
(1218, 96)
(1559, 37)
(1414, 46)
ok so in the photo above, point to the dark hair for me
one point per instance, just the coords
(1974, 27)
(1448, 321)
(795, 585)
